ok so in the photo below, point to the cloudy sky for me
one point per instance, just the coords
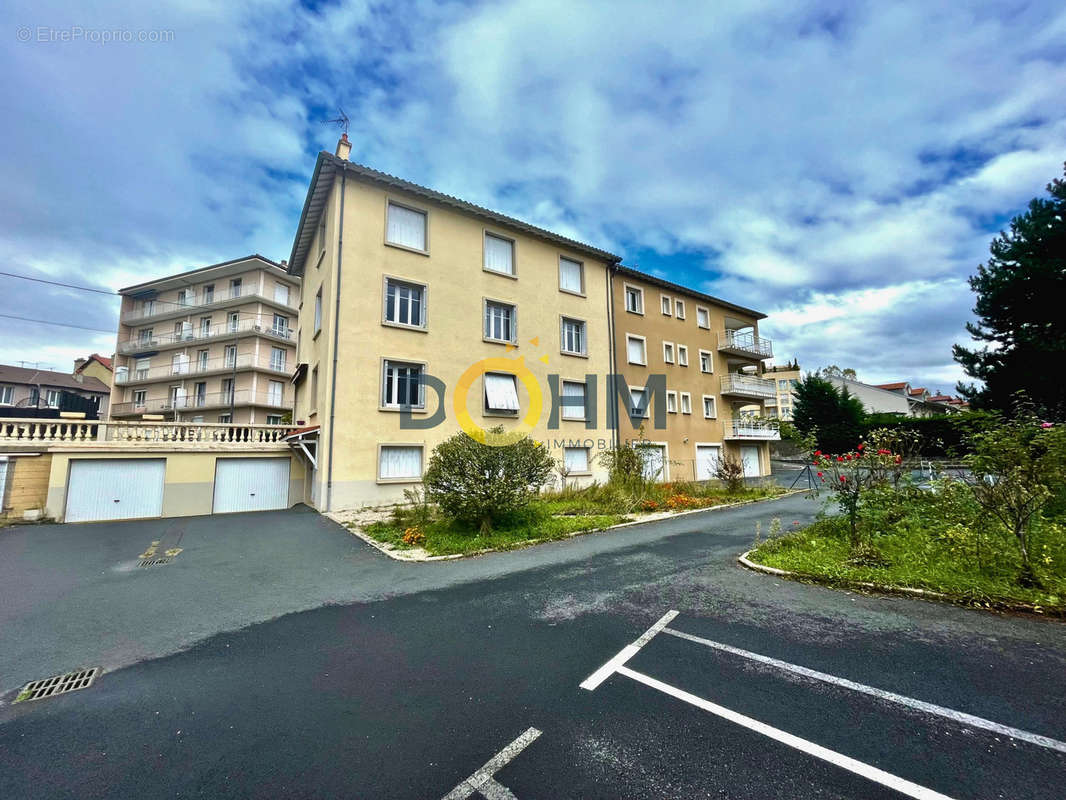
(840, 165)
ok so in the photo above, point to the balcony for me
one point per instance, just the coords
(124, 376)
(161, 309)
(748, 386)
(763, 430)
(226, 330)
(745, 344)
(241, 398)
(44, 434)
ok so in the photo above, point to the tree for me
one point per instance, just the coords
(479, 484)
(1019, 308)
(833, 371)
(833, 416)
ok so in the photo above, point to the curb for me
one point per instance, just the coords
(411, 556)
(906, 591)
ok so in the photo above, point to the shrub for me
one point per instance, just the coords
(479, 484)
(851, 477)
(730, 471)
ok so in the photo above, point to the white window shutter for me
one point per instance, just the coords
(569, 275)
(499, 254)
(406, 227)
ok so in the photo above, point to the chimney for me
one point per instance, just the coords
(344, 147)
(79, 363)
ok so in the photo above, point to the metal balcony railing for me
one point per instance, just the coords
(760, 429)
(748, 386)
(193, 401)
(745, 343)
(124, 375)
(198, 302)
(143, 343)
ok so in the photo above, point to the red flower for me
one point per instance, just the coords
(843, 479)
(840, 458)
(819, 474)
(817, 452)
(861, 445)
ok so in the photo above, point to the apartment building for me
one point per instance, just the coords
(785, 378)
(424, 315)
(28, 387)
(711, 355)
(215, 344)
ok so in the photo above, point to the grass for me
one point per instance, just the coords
(920, 546)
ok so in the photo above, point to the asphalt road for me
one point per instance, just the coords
(407, 692)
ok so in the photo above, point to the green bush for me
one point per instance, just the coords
(944, 436)
(479, 484)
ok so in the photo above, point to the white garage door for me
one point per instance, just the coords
(251, 484)
(707, 461)
(749, 457)
(120, 488)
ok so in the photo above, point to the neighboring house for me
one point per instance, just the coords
(407, 290)
(920, 402)
(25, 387)
(711, 354)
(785, 379)
(215, 344)
(95, 366)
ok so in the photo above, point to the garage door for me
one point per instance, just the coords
(749, 456)
(706, 461)
(120, 488)
(251, 484)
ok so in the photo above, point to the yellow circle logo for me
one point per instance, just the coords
(512, 366)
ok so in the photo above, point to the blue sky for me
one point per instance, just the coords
(840, 165)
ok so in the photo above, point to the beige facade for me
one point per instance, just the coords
(710, 354)
(215, 344)
(785, 379)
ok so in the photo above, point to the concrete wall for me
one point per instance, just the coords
(26, 486)
(874, 400)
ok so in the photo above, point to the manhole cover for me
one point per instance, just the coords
(155, 562)
(58, 684)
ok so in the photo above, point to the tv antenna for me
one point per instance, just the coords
(341, 120)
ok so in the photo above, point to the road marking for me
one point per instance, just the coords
(810, 748)
(483, 781)
(626, 653)
(891, 697)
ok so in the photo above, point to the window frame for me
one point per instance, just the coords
(584, 352)
(669, 349)
(626, 287)
(422, 303)
(714, 405)
(564, 409)
(382, 374)
(666, 305)
(588, 460)
(707, 312)
(710, 361)
(643, 346)
(580, 273)
(679, 308)
(421, 462)
(685, 402)
(318, 312)
(682, 355)
(486, 233)
(485, 410)
(643, 391)
(671, 401)
(390, 201)
(9, 393)
(485, 301)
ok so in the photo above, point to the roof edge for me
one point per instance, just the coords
(677, 287)
(197, 270)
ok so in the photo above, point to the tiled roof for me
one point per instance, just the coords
(891, 385)
(96, 357)
(46, 377)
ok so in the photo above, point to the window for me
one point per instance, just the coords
(281, 326)
(499, 254)
(209, 293)
(277, 359)
(142, 366)
(281, 293)
(686, 403)
(198, 418)
(574, 403)
(53, 398)
(782, 383)
(179, 364)
(501, 393)
(144, 335)
(634, 300)
(500, 322)
(668, 352)
(573, 336)
(199, 393)
(183, 330)
(703, 318)
(321, 237)
(635, 350)
(177, 397)
(148, 308)
(405, 303)
(682, 355)
(571, 276)
(638, 403)
(232, 321)
(227, 390)
(318, 310)
(201, 360)
(235, 287)
(205, 326)
(186, 297)
(664, 301)
(225, 418)
(274, 392)
(230, 359)
(314, 388)
(7, 395)
(400, 462)
(35, 396)
(576, 459)
(273, 419)
(679, 309)
(671, 402)
(406, 227)
(709, 410)
(706, 364)
(401, 385)
(140, 397)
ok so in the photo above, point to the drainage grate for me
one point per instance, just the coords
(58, 684)
(154, 562)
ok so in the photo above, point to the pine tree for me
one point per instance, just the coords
(833, 415)
(1021, 310)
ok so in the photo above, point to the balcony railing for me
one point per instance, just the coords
(141, 344)
(745, 343)
(760, 429)
(244, 361)
(163, 308)
(44, 432)
(192, 402)
(748, 386)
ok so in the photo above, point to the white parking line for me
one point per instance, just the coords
(891, 697)
(626, 653)
(810, 748)
(483, 781)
